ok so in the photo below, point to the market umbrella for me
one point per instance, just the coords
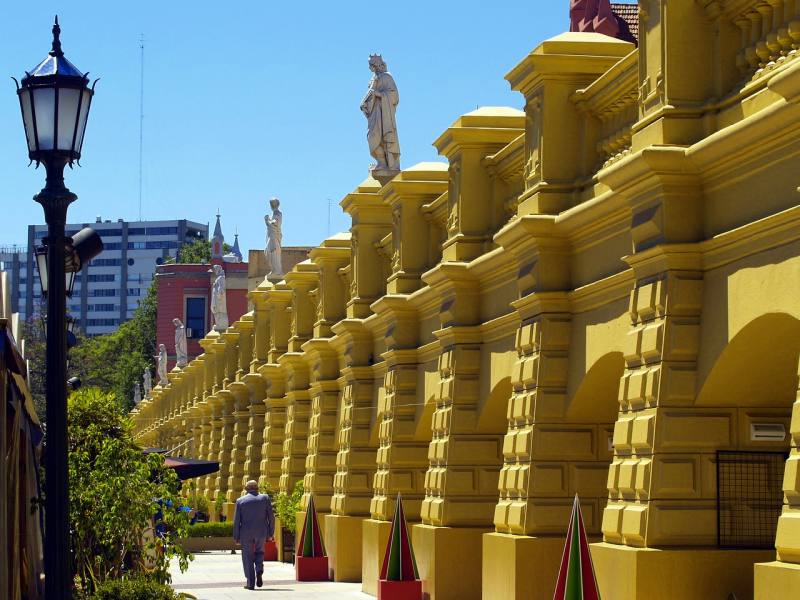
(186, 468)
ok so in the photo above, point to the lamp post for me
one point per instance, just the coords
(55, 98)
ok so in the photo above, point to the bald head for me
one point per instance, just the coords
(251, 486)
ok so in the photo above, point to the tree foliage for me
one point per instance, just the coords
(117, 495)
(115, 362)
(198, 251)
(288, 505)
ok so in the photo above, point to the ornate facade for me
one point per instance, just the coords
(596, 295)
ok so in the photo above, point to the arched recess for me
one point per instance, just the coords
(754, 380)
(591, 414)
(758, 367)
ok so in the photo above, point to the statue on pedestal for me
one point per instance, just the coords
(162, 365)
(181, 353)
(137, 393)
(219, 301)
(148, 383)
(274, 239)
(379, 106)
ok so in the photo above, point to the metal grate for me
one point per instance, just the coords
(749, 498)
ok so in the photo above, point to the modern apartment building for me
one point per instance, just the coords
(109, 290)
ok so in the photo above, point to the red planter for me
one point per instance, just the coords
(311, 568)
(270, 550)
(399, 590)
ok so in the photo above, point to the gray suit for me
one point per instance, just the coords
(253, 523)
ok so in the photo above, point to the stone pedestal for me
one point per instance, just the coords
(517, 566)
(343, 544)
(777, 580)
(625, 573)
(449, 561)
(384, 176)
(374, 539)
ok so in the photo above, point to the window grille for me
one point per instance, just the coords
(749, 498)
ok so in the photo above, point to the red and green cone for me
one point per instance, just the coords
(311, 541)
(576, 580)
(398, 562)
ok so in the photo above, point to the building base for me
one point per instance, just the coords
(516, 567)
(625, 573)
(449, 561)
(343, 545)
(399, 590)
(311, 568)
(374, 540)
(777, 580)
(228, 509)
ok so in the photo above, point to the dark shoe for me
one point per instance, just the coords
(249, 587)
(259, 580)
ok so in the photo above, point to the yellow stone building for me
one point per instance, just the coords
(597, 295)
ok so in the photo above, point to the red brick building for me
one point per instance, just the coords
(184, 291)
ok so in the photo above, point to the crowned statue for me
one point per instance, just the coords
(379, 106)
(274, 223)
(219, 302)
(162, 365)
(181, 352)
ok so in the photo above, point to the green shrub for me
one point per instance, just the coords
(287, 506)
(117, 495)
(136, 589)
(199, 530)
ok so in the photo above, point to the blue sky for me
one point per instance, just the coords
(246, 100)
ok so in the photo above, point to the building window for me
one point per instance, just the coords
(131, 262)
(112, 246)
(103, 277)
(102, 322)
(136, 231)
(102, 307)
(103, 292)
(160, 245)
(196, 317)
(105, 262)
(134, 292)
(162, 231)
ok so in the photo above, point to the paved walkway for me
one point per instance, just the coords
(219, 576)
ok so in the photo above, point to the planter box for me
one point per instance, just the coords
(399, 590)
(205, 544)
(312, 568)
(270, 551)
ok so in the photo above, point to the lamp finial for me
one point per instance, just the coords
(56, 51)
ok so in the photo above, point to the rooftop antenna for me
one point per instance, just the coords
(329, 217)
(141, 118)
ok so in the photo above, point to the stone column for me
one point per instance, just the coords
(215, 437)
(224, 455)
(274, 426)
(241, 421)
(255, 430)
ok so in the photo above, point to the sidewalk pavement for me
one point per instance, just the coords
(219, 576)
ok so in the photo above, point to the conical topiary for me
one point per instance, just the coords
(311, 564)
(398, 562)
(311, 544)
(576, 580)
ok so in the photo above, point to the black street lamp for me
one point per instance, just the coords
(55, 98)
(78, 251)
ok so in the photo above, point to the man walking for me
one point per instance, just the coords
(253, 525)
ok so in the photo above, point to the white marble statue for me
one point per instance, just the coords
(148, 383)
(181, 353)
(162, 365)
(219, 301)
(137, 393)
(379, 106)
(274, 238)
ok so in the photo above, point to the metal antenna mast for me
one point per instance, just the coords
(141, 118)
(329, 217)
